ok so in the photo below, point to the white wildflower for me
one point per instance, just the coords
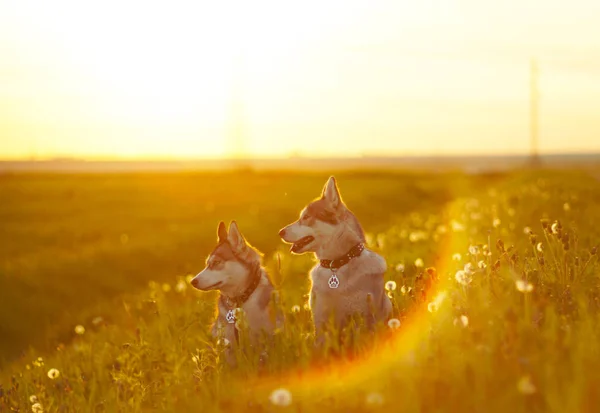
(526, 386)
(524, 286)
(281, 397)
(463, 277)
(53, 374)
(468, 268)
(374, 399)
(394, 323)
(390, 285)
(462, 320)
(223, 342)
(457, 226)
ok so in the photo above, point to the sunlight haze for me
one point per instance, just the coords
(275, 78)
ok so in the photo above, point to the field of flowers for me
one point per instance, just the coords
(495, 282)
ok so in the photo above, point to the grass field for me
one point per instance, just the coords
(497, 294)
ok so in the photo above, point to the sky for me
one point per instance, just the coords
(312, 78)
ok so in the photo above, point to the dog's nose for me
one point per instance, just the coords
(195, 283)
(282, 233)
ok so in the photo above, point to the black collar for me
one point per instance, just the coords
(235, 302)
(354, 252)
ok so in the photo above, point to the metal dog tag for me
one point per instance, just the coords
(230, 317)
(334, 281)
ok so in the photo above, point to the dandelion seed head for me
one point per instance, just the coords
(524, 286)
(374, 399)
(33, 399)
(463, 321)
(390, 285)
(475, 216)
(527, 230)
(400, 267)
(222, 342)
(554, 228)
(281, 397)
(473, 250)
(419, 263)
(53, 374)
(181, 286)
(481, 264)
(456, 257)
(79, 329)
(457, 226)
(432, 307)
(463, 278)
(468, 268)
(295, 308)
(539, 247)
(37, 408)
(97, 321)
(394, 323)
(526, 386)
(496, 222)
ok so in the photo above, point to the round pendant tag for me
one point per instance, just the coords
(334, 282)
(230, 317)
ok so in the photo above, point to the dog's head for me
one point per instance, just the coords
(324, 224)
(229, 266)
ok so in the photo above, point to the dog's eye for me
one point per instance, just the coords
(305, 217)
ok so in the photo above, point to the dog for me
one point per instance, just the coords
(349, 278)
(234, 268)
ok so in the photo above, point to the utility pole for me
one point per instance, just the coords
(533, 112)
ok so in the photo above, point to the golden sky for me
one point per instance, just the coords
(178, 79)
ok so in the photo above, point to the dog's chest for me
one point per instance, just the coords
(360, 278)
(336, 282)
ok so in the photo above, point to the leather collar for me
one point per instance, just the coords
(344, 259)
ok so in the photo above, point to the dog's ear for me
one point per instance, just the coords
(235, 237)
(331, 193)
(221, 232)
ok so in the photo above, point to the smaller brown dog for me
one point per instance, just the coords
(234, 268)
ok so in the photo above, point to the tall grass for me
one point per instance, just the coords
(496, 293)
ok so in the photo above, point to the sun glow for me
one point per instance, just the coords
(271, 78)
